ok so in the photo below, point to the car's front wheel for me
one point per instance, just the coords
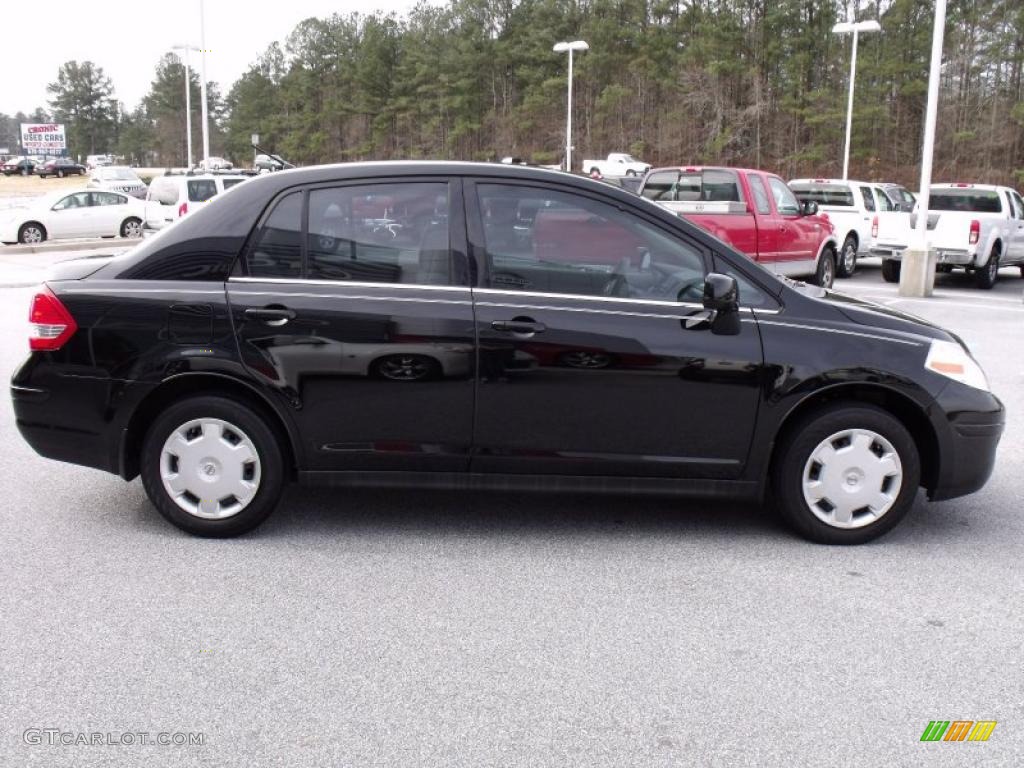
(846, 475)
(212, 466)
(131, 228)
(60, 174)
(31, 233)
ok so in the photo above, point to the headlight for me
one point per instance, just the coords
(951, 360)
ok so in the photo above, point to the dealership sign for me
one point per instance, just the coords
(43, 138)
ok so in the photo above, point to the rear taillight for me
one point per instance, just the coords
(51, 323)
(183, 209)
(975, 232)
(874, 227)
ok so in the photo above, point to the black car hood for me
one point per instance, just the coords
(878, 316)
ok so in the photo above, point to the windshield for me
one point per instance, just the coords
(823, 194)
(118, 174)
(968, 200)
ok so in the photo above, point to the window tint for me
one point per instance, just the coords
(711, 185)
(823, 194)
(77, 200)
(380, 233)
(201, 190)
(785, 200)
(278, 248)
(884, 203)
(108, 198)
(555, 242)
(869, 201)
(760, 194)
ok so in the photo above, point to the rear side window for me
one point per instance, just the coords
(229, 183)
(824, 194)
(108, 198)
(201, 190)
(965, 200)
(760, 194)
(869, 201)
(278, 248)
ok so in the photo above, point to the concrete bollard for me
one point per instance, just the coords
(917, 273)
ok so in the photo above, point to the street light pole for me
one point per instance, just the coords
(576, 45)
(917, 272)
(856, 28)
(202, 86)
(188, 99)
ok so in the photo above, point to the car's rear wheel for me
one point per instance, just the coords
(890, 270)
(986, 277)
(212, 466)
(846, 475)
(825, 275)
(31, 233)
(60, 174)
(131, 228)
(406, 368)
(847, 257)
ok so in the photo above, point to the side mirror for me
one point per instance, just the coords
(808, 208)
(721, 293)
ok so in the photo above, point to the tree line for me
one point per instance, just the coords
(739, 82)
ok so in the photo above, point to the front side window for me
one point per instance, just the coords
(278, 248)
(77, 200)
(884, 203)
(549, 241)
(785, 200)
(380, 233)
(1018, 205)
(869, 201)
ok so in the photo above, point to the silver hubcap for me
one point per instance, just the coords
(210, 468)
(848, 256)
(586, 360)
(133, 229)
(826, 274)
(852, 478)
(33, 235)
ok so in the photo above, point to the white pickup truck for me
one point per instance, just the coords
(617, 165)
(850, 206)
(979, 227)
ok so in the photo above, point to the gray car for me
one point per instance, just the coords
(901, 197)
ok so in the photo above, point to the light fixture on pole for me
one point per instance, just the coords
(576, 45)
(845, 28)
(917, 272)
(188, 99)
(202, 85)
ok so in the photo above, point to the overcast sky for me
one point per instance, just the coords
(127, 39)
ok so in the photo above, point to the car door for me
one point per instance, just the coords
(107, 212)
(69, 216)
(1016, 225)
(352, 305)
(594, 366)
(796, 254)
(768, 222)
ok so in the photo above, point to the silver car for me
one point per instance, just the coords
(118, 178)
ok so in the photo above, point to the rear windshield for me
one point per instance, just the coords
(823, 194)
(708, 185)
(968, 200)
(201, 190)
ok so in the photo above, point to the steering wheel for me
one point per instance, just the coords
(617, 284)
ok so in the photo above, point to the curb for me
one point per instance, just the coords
(70, 245)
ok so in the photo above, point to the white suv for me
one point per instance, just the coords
(174, 196)
(851, 207)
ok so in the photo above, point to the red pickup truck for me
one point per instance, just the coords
(754, 212)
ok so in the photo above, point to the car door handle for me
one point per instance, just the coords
(518, 326)
(271, 315)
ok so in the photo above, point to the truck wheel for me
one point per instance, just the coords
(847, 257)
(630, 172)
(846, 475)
(825, 275)
(594, 170)
(985, 277)
(890, 270)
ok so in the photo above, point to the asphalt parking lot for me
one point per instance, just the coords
(414, 628)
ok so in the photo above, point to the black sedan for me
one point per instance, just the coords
(465, 325)
(22, 166)
(60, 168)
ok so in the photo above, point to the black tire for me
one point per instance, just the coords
(60, 174)
(891, 270)
(267, 448)
(795, 451)
(825, 275)
(594, 170)
(630, 172)
(131, 225)
(847, 257)
(986, 277)
(25, 233)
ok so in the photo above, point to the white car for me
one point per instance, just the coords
(851, 207)
(175, 196)
(216, 164)
(979, 227)
(617, 165)
(117, 178)
(84, 213)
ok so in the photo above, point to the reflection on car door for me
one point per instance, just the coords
(107, 212)
(594, 357)
(364, 327)
(795, 255)
(70, 216)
